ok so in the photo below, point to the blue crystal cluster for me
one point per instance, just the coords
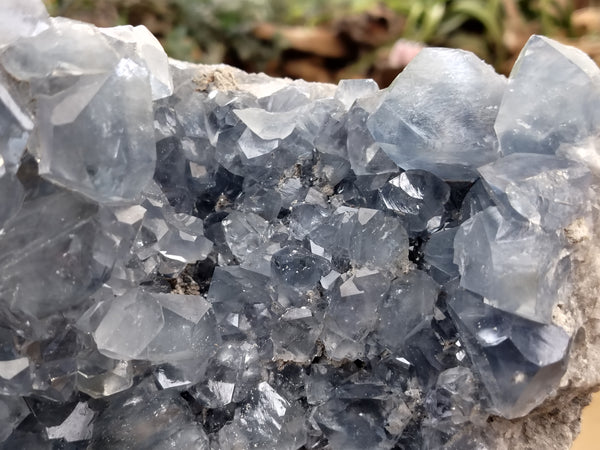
(193, 257)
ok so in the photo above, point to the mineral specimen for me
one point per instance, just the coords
(195, 257)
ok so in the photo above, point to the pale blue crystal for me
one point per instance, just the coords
(520, 362)
(537, 115)
(517, 266)
(440, 112)
(546, 190)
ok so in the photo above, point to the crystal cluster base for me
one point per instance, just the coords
(199, 258)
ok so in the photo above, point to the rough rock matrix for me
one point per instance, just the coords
(194, 257)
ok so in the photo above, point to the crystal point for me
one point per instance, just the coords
(525, 123)
(519, 361)
(514, 265)
(429, 103)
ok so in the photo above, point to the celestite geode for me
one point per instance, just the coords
(278, 264)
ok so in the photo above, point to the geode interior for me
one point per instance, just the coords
(194, 257)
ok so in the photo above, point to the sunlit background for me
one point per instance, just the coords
(328, 40)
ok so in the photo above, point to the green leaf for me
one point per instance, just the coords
(451, 24)
(432, 20)
(486, 13)
(412, 20)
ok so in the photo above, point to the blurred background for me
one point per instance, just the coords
(329, 40)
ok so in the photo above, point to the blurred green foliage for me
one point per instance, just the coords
(438, 22)
(216, 30)
(554, 16)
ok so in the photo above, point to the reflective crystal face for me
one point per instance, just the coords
(280, 264)
(15, 126)
(102, 149)
(21, 18)
(536, 114)
(439, 113)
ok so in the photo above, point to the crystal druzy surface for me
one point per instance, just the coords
(276, 264)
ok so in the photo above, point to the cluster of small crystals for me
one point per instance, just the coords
(276, 264)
